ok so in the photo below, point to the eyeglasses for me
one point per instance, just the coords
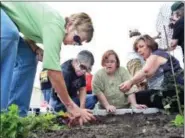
(83, 67)
(77, 39)
(110, 61)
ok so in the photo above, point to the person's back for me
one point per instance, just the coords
(163, 78)
(32, 18)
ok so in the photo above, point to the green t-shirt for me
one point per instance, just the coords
(102, 83)
(42, 24)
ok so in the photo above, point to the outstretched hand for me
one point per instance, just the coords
(79, 116)
(111, 109)
(125, 86)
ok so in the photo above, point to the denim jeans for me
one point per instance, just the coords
(18, 67)
(56, 104)
(47, 94)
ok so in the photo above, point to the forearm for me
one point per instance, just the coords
(103, 100)
(82, 97)
(132, 99)
(58, 84)
(139, 77)
(151, 66)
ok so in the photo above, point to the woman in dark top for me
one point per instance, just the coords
(158, 72)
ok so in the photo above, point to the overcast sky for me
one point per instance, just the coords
(112, 22)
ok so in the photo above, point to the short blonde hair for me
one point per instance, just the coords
(83, 23)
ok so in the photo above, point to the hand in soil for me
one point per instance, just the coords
(111, 109)
(79, 116)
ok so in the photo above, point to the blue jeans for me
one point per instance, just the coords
(56, 104)
(18, 67)
(47, 94)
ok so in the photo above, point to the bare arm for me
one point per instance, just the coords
(82, 97)
(103, 100)
(58, 84)
(149, 69)
(132, 101)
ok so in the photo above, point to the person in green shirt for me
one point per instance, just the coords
(38, 23)
(106, 83)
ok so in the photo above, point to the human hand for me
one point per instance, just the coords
(79, 116)
(110, 109)
(125, 86)
(139, 106)
(36, 49)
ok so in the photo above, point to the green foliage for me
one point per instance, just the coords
(178, 121)
(13, 126)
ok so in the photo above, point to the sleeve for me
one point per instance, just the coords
(53, 36)
(161, 53)
(97, 84)
(178, 28)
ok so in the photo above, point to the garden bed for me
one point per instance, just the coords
(123, 126)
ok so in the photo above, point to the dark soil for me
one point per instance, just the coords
(124, 126)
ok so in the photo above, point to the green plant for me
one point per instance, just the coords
(9, 122)
(13, 126)
(176, 87)
(178, 121)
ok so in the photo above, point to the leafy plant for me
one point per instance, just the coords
(172, 69)
(178, 121)
(13, 126)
